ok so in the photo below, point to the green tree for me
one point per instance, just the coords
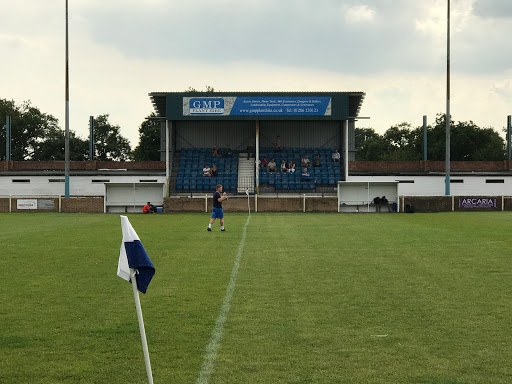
(109, 144)
(402, 142)
(370, 146)
(29, 128)
(52, 148)
(467, 142)
(148, 148)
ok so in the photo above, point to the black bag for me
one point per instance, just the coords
(376, 200)
(409, 208)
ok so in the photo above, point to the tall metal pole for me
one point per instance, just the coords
(66, 140)
(425, 130)
(448, 118)
(345, 134)
(8, 137)
(91, 138)
(509, 128)
(167, 159)
(257, 157)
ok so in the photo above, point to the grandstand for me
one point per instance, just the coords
(311, 123)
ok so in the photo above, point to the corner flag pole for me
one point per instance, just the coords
(248, 199)
(133, 273)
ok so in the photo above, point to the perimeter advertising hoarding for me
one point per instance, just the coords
(257, 106)
(471, 202)
(26, 204)
(35, 204)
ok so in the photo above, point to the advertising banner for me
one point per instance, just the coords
(45, 204)
(257, 106)
(26, 204)
(477, 202)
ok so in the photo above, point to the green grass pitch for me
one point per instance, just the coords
(318, 298)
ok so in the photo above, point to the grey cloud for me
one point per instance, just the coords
(302, 34)
(493, 8)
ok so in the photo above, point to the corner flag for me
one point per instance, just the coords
(133, 261)
(133, 255)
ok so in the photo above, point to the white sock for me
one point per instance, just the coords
(209, 225)
(221, 227)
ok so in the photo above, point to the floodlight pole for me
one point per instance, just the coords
(447, 118)
(91, 138)
(257, 157)
(345, 134)
(7, 137)
(167, 159)
(66, 140)
(509, 128)
(425, 130)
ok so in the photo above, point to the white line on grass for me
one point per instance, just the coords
(214, 343)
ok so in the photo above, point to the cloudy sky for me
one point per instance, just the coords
(394, 50)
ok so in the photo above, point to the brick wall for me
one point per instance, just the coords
(183, 204)
(4, 204)
(428, 203)
(80, 165)
(426, 166)
(354, 166)
(70, 205)
(235, 204)
(322, 204)
(280, 204)
(83, 205)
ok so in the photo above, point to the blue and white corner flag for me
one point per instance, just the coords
(133, 255)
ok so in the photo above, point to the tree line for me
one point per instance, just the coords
(402, 142)
(37, 136)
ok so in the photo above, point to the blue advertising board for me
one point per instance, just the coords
(258, 106)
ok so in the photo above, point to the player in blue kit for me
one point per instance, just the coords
(217, 212)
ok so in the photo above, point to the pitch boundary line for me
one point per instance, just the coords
(215, 340)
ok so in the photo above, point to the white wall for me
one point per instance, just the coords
(422, 186)
(434, 185)
(78, 185)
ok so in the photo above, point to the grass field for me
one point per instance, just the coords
(318, 298)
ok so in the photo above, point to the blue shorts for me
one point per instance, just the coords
(217, 213)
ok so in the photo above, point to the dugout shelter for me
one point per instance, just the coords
(252, 123)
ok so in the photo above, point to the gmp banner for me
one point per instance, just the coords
(257, 106)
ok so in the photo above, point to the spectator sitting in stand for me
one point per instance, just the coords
(305, 162)
(227, 151)
(207, 171)
(264, 162)
(305, 175)
(284, 168)
(272, 167)
(213, 171)
(317, 162)
(278, 144)
(149, 208)
(215, 151)
(336, 156)
(291, 166)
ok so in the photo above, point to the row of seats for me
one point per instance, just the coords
(328, 173)
(190, 172)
